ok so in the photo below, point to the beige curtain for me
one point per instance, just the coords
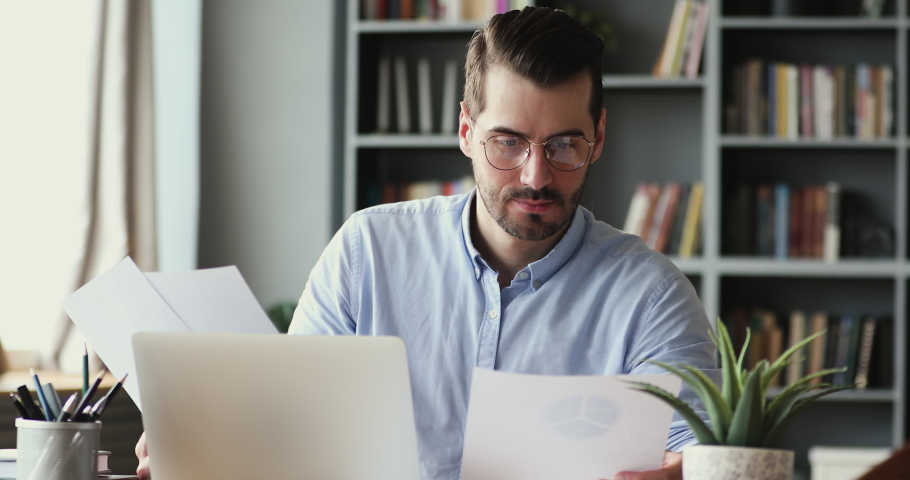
(117, 205)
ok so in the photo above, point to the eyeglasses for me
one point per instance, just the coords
(565, 152)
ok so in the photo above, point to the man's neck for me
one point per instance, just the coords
(504, 253)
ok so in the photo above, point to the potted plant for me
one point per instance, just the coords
(745, 423)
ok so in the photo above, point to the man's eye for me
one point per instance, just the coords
(508, 142)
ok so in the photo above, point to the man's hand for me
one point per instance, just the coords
(671, 470)
(142, 452)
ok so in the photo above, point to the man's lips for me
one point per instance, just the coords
(534, 206)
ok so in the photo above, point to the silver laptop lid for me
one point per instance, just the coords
(244, 406)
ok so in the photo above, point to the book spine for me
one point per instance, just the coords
(449, 102)
(401, 95)
(782, 221)
(383, 94)
(693, 221)
(797, 334)
(424, 96)
(832, 222)
(666, 64)
(865, 353)
(698, 40)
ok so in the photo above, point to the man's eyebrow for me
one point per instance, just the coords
(509, 131)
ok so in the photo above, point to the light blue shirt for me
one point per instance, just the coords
(598, 304)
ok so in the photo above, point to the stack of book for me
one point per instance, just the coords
(392, 192)
(667, 218)
(684, 42)
(448, 10)
(792, 101)
(811, 221)
(862, 344)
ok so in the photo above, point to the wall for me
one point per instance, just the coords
(268, 139)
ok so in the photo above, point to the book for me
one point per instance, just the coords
(864, 356)
(653, 195)
(774, 341)
(848, 331)
(403, 111)
(831, 241)
(383, 94)
(671, 212)
(797, 332)
(796, 223)
(764, 228)
(638, 209)
(678, 221)
(781, 221)
(831, 341)
(806, 81)
(659, 216)
(669, 49)
(449, 102)
(685, 29)
(881, 368)
(816, 348)
(424, 102)
(693, 221)
(693, 60)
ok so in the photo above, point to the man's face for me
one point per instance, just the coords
(534, 201)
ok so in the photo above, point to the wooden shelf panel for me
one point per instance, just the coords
(867, 395)
(393, 140)
(750, 266)
(415, 26)
(650, 81)
(809, 23)
(773, 142)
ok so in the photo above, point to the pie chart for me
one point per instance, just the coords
(581, 417)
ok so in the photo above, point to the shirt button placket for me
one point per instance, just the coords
(488, 339)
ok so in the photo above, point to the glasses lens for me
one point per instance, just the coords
(506, 152)
(567, 153)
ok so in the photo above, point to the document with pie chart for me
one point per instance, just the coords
(536, 427)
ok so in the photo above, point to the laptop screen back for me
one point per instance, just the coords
(246, 406)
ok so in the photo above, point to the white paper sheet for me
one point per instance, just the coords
(536, 427)
(122, 301)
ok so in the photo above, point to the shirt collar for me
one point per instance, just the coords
(541, 270)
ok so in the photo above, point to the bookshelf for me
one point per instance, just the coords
(662, 130)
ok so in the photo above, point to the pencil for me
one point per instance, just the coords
(29, 404)
(87, 398)
(106, 400)
(48, 412)
(85, 369)
(67, 410)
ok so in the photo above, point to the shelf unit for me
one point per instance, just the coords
(664, 130)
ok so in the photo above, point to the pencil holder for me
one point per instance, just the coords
(57, 450)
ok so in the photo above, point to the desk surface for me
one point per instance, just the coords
(63, 382)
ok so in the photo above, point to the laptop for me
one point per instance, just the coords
(257, 406)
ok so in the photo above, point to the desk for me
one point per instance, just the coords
(122, 420)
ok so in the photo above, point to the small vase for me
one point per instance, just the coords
(713, 462)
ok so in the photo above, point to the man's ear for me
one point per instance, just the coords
(599, 136)
(465, 134)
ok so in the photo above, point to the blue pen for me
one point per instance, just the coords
(48, 413)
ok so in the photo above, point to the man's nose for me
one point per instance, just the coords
(535, 172)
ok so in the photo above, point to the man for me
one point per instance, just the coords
(513, 276)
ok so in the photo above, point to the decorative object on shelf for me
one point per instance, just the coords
(596, 22)
(741, 414)
(873, 8)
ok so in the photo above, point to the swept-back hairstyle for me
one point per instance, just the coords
(546, 46)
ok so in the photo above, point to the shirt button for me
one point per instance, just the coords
(493, 313)
(523, 275)
(537, 283)
(476, 271)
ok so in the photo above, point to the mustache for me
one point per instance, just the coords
(529, 193)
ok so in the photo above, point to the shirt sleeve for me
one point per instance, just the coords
(674, 330)
(328, 303)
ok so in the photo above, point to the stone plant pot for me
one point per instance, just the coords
(713, 462)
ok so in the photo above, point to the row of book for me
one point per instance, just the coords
(402, 96)
(667, 218)
(391, 192)
(684, 42)
(786, 100)
(810, 221)
(444, 10)
(863, 344)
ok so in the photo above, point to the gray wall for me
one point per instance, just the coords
(268, 140)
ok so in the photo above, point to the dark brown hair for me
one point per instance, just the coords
(546, 46)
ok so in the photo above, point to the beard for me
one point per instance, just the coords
(530, 226)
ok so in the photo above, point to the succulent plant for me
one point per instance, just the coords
(740, 412)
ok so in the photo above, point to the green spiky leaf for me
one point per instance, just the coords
(732, 382)
(702, 433)
(718, 410)
(775, 431)
(747, 426)
(793, 390)
(784, 360)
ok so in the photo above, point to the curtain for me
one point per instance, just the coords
(117, 205)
